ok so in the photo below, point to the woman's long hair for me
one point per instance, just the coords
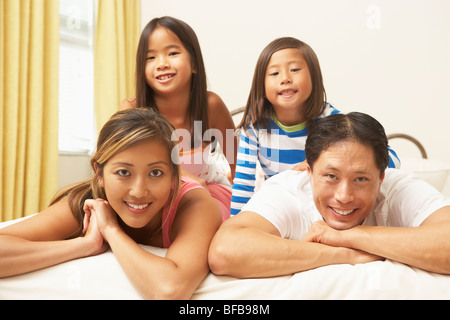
(123, 130)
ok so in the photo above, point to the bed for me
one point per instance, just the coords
(101, 277)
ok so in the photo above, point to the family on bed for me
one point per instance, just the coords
(333, 197)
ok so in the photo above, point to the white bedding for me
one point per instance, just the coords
(101, 277)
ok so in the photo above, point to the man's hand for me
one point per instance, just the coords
(321, 232)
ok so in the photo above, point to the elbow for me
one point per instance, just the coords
(441, 267)
(167, 291)
(173, 292)
(220, 259)
(226, 255)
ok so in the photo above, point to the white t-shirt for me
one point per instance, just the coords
(286, 201)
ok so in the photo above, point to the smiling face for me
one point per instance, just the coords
(345, 181)
(288, 85)
(138, 183)
(168, 64)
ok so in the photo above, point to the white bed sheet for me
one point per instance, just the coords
(101, 277)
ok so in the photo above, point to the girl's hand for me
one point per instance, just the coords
(190, 175)
(300, 166)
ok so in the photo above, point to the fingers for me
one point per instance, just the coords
(85, 223)
(87, 216)
(302, 166)
(89, 208)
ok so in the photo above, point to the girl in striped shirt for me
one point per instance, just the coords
(287, 96)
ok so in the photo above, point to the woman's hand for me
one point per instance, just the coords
(105, 215)
(98, 216)
(93, 235)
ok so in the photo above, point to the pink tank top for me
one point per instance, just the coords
(187, 184)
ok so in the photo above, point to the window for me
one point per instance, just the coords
(77, 133)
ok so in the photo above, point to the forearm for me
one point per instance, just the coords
(426, 247)
(251, 253)
(19, 256)
(153, 276)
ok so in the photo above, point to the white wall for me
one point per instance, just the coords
(389, 58)
(73, 168)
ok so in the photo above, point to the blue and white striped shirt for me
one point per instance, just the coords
(276, 152)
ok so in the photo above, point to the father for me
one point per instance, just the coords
(346, 208)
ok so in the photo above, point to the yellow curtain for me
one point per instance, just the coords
(117, 34)
(29, 33)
